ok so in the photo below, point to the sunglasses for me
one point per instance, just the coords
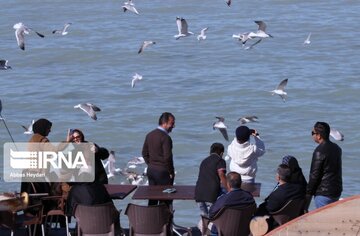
(77, 137)
(312, 133)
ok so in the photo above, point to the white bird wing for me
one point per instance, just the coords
(88, 110)
(202, 32)
(336, 135)
(307, 40)
(19, 33)
(66, 26)
(142, 47)
(179, 25)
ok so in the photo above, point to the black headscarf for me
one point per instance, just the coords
(297, 176)
(41, 127)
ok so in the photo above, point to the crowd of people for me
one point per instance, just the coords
(215, 188)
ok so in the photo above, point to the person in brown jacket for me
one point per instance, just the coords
(157, 153)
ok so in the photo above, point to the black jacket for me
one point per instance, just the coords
(326, 173)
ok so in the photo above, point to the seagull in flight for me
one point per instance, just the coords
(247, 119)
(20, 31)
(130, 6)
(261, 33)
(136, 161)
(336, 134)
(280, 89)
(4, 65)
(228, 2)
(110, 164)
(307, 40)
(89, 108)
(63, 31)
(202, 35)
(29, 130)
(220, 125)
(144, 45)
(136, 78)
(182, 28)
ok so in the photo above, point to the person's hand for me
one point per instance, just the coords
(93, 148)
(255, 133)
(69, 136)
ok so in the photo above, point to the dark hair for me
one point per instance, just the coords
(42, 126)
(217, 148)
(284, 172)
(165, 117)
(81, 134)
(323, 129)
(234, 179)
(243, 133)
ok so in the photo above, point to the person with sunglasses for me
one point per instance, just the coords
(325, 178)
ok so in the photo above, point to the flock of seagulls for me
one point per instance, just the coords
(129, 172)
(182, 26)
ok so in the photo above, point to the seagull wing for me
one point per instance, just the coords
(95, 108)
(66, 26)
(184, 26)
(89, 110)
(141, 48)
(261, 24)
(282, 84)
(179, 25)
(228, 2)
(224, 133)
(203, 31)
(336, 135)
(220, 118)
(3, 63)
(19, 33)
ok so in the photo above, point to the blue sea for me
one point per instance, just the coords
(196, 81)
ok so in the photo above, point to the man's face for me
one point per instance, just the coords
(315, 136)
(170, 124)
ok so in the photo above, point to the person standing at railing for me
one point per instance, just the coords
(157, 153)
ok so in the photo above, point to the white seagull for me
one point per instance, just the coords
(202, 35)
(280, 89)
(130, 6)
(182, 28)
(261, 33)
(4, 65)
(135, 78)
(20, 30)
(110, 164)
(29, 130)
(144, 45)
(307, 40)
(136, 161)
(220, 125)
(336, 135)
(247, 119)
(89, 108)
(63, 30)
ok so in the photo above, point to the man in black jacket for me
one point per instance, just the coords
(325, 180)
